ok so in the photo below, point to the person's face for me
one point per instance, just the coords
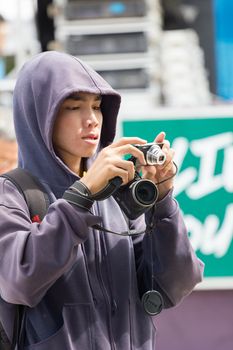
(77, 128)
(8, 155)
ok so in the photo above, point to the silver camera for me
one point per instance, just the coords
(153, 153)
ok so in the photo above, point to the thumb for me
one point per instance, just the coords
(160, 137)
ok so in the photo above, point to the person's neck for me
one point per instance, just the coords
(77, 167)
(74, 164)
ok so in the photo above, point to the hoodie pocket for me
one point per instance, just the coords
(75, 333)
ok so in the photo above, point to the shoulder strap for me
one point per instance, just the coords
(37, 200)
(36, 197)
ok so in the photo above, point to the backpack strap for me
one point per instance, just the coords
(38, 201)
(36, 197)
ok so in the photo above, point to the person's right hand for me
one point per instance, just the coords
(110, 163)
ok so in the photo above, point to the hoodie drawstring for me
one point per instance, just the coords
(88, 275)
(114, 305)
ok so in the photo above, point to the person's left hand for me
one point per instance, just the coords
(158, 173)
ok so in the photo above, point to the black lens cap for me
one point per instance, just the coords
(152, 302)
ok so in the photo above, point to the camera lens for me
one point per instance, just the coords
(155, 155)
(144, 192)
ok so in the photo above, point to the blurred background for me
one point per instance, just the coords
(172, 61)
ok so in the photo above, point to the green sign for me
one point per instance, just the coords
(204, 183)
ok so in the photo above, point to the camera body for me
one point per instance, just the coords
(153, 153)
(139, 195)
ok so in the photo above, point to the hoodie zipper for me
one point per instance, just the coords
(102, 284)
(88, 276)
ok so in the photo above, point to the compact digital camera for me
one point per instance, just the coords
(139, 195)
(153, 153)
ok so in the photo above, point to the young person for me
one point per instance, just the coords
(82, 287)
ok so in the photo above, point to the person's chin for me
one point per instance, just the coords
(90, 153)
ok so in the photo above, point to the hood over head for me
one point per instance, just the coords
(42, 85)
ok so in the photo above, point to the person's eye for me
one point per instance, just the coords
(72, 108)
(97, 108)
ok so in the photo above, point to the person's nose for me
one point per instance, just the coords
(91, 118)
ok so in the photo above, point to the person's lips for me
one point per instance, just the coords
(91, 137)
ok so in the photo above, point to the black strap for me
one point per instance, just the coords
(78, 199)
(33, 192)
(122, 233)
(109, 189)
(78, 194)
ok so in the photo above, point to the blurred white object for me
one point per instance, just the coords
(184, 79)
(6, 123)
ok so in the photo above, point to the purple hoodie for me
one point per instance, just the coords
(82, 288)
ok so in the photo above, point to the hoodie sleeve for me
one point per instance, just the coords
(33, 256)
(167, 254)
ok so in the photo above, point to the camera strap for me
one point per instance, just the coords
(124, 233)
(79, 195)
(152, 300)
(108, 190)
